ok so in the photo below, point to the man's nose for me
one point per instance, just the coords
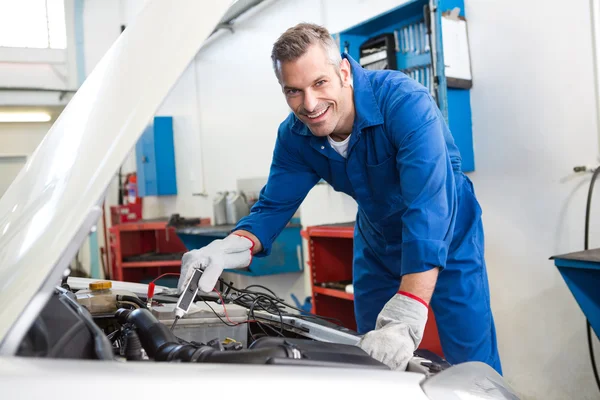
(310, 101)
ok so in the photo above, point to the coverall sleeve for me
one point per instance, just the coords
(426, 181)
(290, 179)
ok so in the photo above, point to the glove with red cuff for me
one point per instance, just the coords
(398, 331)
(233, 252)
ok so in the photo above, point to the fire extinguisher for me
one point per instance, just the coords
(132, 189)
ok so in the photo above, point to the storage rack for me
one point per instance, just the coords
(330, 261)
(417, 29)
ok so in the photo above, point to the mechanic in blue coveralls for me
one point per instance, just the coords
(379, 137)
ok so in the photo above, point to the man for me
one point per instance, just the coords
(379, 137)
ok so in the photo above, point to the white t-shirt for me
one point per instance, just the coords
(340, 147)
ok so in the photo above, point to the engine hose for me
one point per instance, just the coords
(131, 299)
(133, 346)
(162, 345)
(158, 341)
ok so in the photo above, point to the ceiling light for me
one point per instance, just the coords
(9, 116)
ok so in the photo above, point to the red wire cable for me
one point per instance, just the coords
(167, 274)
(151, 285)
(225, 310)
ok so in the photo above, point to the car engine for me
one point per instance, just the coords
(242, 326)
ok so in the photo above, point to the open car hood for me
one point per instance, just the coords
(54, 202)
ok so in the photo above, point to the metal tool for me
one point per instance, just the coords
(422, 38)
(414, 38)
(188, 295)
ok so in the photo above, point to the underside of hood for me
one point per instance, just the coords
(46, 214)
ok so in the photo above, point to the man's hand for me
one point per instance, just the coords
(398, 331)
(232, 252)
(257, 244)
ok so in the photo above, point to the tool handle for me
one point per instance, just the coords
(189, 294)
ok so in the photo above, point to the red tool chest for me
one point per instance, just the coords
(330, 260)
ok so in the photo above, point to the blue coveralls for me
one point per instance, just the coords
(416, 209)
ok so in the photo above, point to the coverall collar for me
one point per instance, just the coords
(367, 112)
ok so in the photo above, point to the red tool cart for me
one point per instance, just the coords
(141, 251)
(330, 262)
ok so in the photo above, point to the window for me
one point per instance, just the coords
(33, 23)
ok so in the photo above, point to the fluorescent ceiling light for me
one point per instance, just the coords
(9, 116)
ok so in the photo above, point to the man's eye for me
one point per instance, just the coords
(320, 83)
(291, 91)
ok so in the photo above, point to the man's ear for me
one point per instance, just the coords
(345, 72)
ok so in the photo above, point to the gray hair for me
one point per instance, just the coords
(294, 43)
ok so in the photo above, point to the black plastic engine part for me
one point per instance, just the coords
(320, 353)
(434, 363)
(132, 345)
(65, 329)
(158, 341)
(162, 345)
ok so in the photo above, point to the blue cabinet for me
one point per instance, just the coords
(155, 159)
(403, 31)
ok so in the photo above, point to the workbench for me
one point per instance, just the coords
(286, 253)
(143, 250)
(581, 272)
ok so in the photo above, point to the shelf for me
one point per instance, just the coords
(143, 264)
(331, 231)
(333, 293)
(149, 225)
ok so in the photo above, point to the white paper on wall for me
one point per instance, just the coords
(456, 48)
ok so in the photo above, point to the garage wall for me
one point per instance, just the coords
(17, 141)
(534, 119)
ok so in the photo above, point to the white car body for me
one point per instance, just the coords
(48, 211)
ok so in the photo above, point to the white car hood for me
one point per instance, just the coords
(99, 380)
(46, 214)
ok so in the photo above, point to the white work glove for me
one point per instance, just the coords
(230, 253)
(398, 332)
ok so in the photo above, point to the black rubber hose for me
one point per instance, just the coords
(133, 346)
(132, 299)
(158, 341)
(586, 247)
(162, 345)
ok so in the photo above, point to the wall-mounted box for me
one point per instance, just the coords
(414, 29)
(155, 159)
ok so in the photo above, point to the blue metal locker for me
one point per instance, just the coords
(155, 159)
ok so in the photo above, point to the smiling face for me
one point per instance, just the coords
(319, 92)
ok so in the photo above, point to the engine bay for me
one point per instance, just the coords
(239, 326)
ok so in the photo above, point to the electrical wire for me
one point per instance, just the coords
(225, 311)
(151, 286)
(166, 274)
(252, 307)
(262, 287)
(586, 247)
(251, 295)
(259, 302)
(218, 316)
(264, 300)
(230, 322)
